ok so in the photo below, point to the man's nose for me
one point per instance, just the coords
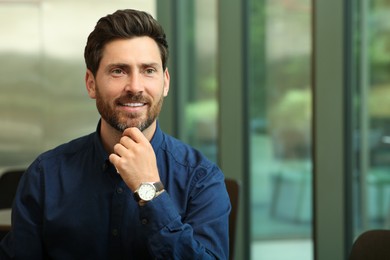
(134, 83)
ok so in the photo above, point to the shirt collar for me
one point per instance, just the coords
(101, 153)
(157, 138)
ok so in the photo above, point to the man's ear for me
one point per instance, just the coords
(90, 84)
(166, 82)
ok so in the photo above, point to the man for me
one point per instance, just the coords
(127, 191)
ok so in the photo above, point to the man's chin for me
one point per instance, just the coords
(132, 123)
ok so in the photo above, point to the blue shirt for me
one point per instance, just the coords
(71, 204)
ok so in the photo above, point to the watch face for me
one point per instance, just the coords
(147, 191)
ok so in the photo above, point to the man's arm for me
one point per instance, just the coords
(201, 234)
(24, 240)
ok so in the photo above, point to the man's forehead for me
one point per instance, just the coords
(144, 50)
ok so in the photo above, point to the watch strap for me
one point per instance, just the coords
(159, 186)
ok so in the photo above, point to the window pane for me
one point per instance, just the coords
(21, 131)
(200, 94)
(280, 128)
(43, 97)
(372, 126)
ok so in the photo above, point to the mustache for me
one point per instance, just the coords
(139, 97)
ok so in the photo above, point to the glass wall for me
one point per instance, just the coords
(21, 105)
(43, 100)
(279, 57)
(371, 108)
(196, 70)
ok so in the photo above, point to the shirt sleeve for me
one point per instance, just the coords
(24, 240)
(202, 233)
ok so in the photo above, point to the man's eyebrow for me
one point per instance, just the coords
(117, 65)
(151, 64)
(127, 66)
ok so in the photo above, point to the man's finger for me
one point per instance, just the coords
(135, 134)
(126, 141)
(114, 159)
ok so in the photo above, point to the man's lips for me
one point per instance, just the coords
(132, 103)
(137, 104)
(132, 107)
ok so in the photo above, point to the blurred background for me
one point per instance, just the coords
(244, 92)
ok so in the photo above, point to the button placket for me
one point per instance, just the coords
(118, 202)
(114, 232)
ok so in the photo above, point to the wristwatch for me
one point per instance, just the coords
(148, 191)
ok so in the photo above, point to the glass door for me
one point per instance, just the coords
(279, 77)
(371, 170)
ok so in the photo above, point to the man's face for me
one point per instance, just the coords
(130, 84)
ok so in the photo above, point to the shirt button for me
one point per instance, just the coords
(119, 190)
(104, 166)
(144, 221)
(114, 232)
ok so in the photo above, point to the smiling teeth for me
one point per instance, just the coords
(134, 104)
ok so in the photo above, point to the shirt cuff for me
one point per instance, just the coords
(158, 213)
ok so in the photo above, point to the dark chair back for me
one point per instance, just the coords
(8, 183)
(233, 190)
(372, 245)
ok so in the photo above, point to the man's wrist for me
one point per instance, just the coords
(148, 191)
(144, 202)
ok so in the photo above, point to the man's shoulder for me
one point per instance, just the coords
(76, 145)
(184, 153)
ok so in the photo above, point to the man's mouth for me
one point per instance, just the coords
(133, 104)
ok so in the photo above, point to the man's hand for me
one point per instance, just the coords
(134, 159)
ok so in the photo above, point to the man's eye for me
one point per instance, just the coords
(116, 71)
(150, 71)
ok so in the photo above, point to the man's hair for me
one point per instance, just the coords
(123, 24)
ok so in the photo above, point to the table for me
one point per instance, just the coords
(5, 220)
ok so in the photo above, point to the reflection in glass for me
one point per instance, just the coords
(280, 128)
(372, 127)
(200, 99)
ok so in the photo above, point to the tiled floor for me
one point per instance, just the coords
(282, 250)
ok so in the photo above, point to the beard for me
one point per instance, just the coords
(120, 120)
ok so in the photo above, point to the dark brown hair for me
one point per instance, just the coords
(123, 24)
